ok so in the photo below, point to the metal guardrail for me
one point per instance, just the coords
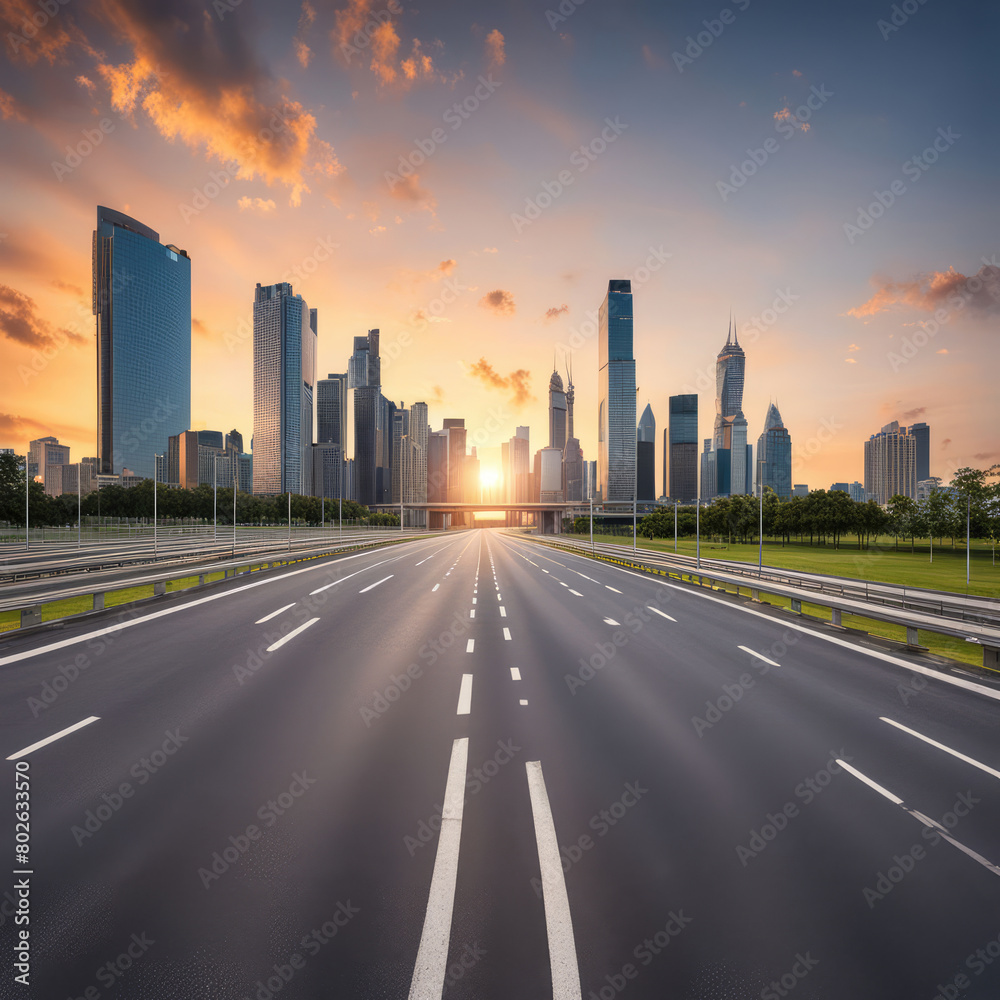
(988, 636)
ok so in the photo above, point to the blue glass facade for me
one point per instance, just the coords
(683, 444)
(616, 429)
(142, 301)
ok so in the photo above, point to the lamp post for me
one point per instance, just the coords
(592, 550)
(289, 520)
(760, 548)
(675, 526)
(79, 506)
(340, 515)
(154, 506)
(236, 487)
(215, 498)
(27, 480)
(697, 531)
(968, 549)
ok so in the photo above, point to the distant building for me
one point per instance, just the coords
(925, 487)
(891, 463)
(774, 455)
(708, 470)
(557, 412)
(46, 456)
(331, 409)
(327, 470)
(616, 423)
(800, 490)
(729, 439)
(573, 465)
(922, 435)
(646, 456)
(855, 490)
(550, 467)
(680, 449)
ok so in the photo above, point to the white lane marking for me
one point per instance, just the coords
(54, 737)
(432, 955)
(561, 584)
(515, 674)
(470, 645)
(274, 614)
(662, 614)
(291, 635)
(615, 589)
(921, 818)
(941, 746)
(576, 592)
(372, 586)
(472, 612)
(435, 587)
(499, 597)
(543, 569)
(503, 611)
(343, 579)
(584, 575)
(611, 621)
(465, 695)
(760, 656)
(506, 633)
(474, 600)
(524, 701)
(558, 921)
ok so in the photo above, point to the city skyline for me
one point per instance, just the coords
(775, 251)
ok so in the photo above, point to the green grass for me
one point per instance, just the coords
(881, 565)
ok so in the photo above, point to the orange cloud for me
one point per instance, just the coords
(556, 311)
(445, 267)
(498, 301)
(496, 51)
(20, 322)
(938, 288)
(785, 115)
(306, 18)
(519, 382)
(256, 205)
(8, 107)
(31, 41)
(409, 189)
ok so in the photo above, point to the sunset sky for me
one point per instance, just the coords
(410, 182)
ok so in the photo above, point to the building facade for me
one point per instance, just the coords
(891, 463)
(681, 438)
(774, 455)
(616, 423)
(921, 434)
(646, 456)
(331, 409)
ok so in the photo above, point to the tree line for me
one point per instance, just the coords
(198, 504)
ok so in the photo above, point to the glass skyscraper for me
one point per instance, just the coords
(557, 412)
(142, 301)
(683, 445)
(922, 436)
(616, 426)
(646, 455)
(331, 409)
(284, 379)
(729, 439)
(774, 455)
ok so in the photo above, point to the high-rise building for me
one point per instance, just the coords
(891, 463)
(570, 400)
(455, 426)
(327, 470)
(370, 431)
(365, 366)
(616, 423)
(557, 412)
(46, 457)
(415, 463)
(520, 467)
(400, 430)
(708, 471)
(142, 300)
(683, 449)
(284, 380)
(646, 456)
(549, 464)
(729, 439)
(856, 490)
(573, 465)
(800, 490)
(922, 435)
(774, 455)
(437, 466)
(331, 409)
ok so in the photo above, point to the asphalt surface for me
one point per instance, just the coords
(711, 844)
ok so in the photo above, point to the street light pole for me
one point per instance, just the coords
(215, 498)
(79, 506)
(154, 506)
(289, 520)
(675, 526)
(27, 480)
(968, 550)
(340, 516)
(236, 487)
(760, 550)
(697, 530)
(592, 525)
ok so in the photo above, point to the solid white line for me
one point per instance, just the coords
(611, 621)
(895, 799)
(506, 633)
(472, 612)
(372, 586)
(524, 701)
(291, 635)
(432, 955)
(465, 695)
(941, 746)
(515, 674)
(54, 737)
(503, 611)
(435, 587)
(319, 590)
(657, 611)
(760, 656)
(615, 589)
(274, 614)
(558, 921)
(470, 645)
(577, 592)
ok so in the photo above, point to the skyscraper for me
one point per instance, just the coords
(646, 455)
(331, 409)
(400, 430)
(284, 379)
(922, 435)
(616, 443)
(891, 464)
(46, 458)
(415, 462)
(365, 366)
(774, 455)
(708, 471)
(683, 455)
(142, 301)
(373, 415)
(729, 439)
(557, 412)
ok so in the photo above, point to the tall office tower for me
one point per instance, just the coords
(365, 366)
(557, 412)
(683, 449)
(591, 475)
(573, 471)
(142, 301)
(774, 455)
(400, 430)
(437, 466)
(646, 456)
(922, 435)
(570, 399)
(730, 370)
(550, 467)
(46, 457)
(455, 426)
(331, 409)
(708, 472)
(891, 463)
(616, 396)
(415, 463)
(505, 474)
(738, 468)
(473, 487)
(327, 470)
(284, 379)
(369, 444)
(520, 466)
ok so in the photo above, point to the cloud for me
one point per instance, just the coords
(917, 411)
(518, 382)
(796, 72)
(20, 323)
(499, 301)
(445, 267)
(199, 81)
(302, 51)
(65, 286)
(18, 428)
(556, 311)
(851, 361)
(437, 394)
(927, 292)
(375, 230)
(256, 205)
(784, 115)
(199, 327)
(945, 443)
(985, 456)
(9, 108)
(87, 84)
(409, 189)
(496, 52)
(490, 250)
(48, 42)
(944, 350)
(853, 347)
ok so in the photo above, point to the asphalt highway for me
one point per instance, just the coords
(470, 766)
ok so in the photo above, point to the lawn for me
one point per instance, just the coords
(881, 565)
